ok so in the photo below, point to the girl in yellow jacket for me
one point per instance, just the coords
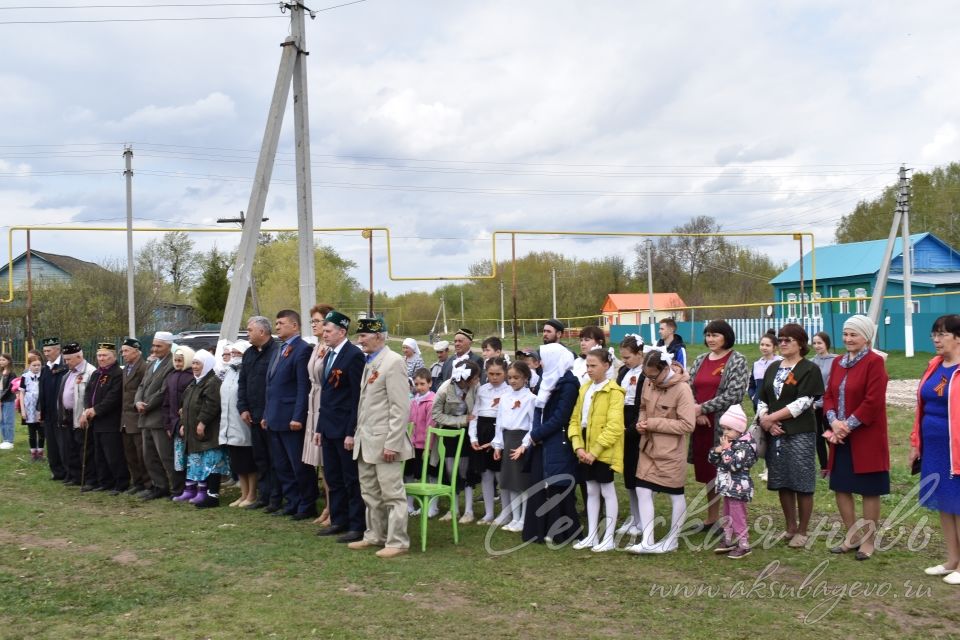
(596, 434)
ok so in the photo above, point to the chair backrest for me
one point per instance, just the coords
(437, 435)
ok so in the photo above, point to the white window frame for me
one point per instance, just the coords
(861, 295)
(791, 305)
(844, 304)
(815, 307)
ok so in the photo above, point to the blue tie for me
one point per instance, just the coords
(331, 355)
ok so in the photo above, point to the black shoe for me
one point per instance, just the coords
(156, 494)
(332, 530)
(281, 512)
(88, 487)
(116, 492)
(58, 478)
(271, 508)
(145, 494)
(208, 502)
(256, 505)
(71, 483)
(351, 536)
(135, 489)
(304, 515)
(101, 488)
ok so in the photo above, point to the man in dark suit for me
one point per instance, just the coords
(103, 414)
(157, 443)
(133, 370)
(285, 411)
(462, 343)
(336, 427)
(251, 400)
(50, 376)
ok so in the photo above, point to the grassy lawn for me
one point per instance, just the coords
(106, 567)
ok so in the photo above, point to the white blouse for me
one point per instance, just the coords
(486, 404)
(515, 412)
(588, 400)
(630, 381)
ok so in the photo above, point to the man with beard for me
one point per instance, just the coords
(157, 443)
(102, 417)
(75, 447)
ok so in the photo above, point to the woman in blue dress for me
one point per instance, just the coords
(935, 440)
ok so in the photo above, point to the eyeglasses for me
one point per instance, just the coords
(315, 322)
(784, 340)
(939, 335)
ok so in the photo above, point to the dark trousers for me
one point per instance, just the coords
(158, 458)
(57, 467)
(343, 480)
(267, 485)
(133, 454)
(35, 435)
(298, 481)
(112, 470)
(821, 441)
(79, 456)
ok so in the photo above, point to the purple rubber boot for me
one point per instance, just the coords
(201, 494)
(189, 493)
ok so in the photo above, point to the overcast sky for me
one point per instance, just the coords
(447, 120)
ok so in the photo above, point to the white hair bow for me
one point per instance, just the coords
(460, 374)
(665, 355)
(635, 336)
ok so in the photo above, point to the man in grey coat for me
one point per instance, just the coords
(157, 443)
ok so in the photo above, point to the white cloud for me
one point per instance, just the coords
(212, 108)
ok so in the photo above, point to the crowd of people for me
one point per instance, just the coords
(270, 413)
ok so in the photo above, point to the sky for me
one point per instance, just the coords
(447, 120)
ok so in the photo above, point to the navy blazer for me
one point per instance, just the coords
(550, 428)
(288, 386)
(340, 395)
(49, 386)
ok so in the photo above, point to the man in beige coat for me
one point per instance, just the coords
(381, 444)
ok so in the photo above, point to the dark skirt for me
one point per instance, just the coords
(482, 460)
(513, 477)
(844, 480)
(241, 460)
(631, 446)
(551, 510)
(700, 443)
(597, 472)
(413, 468)
(658, 488)
(822, 444)
(791, 462)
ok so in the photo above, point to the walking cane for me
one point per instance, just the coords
(83, 462)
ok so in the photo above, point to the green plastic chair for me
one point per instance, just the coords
(425, 491)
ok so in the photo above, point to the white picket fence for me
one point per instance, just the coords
(750, 330)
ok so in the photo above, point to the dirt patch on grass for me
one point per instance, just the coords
(902, 393)
(128, 557)
(30, 541)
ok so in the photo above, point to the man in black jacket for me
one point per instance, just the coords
(251, 401)
(104, 402)
(49, 383)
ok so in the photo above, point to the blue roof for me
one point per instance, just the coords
(845, 260)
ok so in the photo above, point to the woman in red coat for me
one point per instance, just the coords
(855, 405)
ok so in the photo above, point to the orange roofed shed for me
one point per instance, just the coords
(634, 308)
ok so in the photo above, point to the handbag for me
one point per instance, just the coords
(759, 437)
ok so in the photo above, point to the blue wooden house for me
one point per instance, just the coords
(849, 272)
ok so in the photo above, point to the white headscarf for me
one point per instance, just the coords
(410, 342)
(206, 358)
(188, 356)
(862, 325)
(556, 360)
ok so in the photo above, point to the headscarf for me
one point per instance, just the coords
(207, 360)
(863, 325)
(410, 342)
(188, 355)
(240, 345)
(556, 360)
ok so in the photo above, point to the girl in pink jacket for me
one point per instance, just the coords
(421, 409)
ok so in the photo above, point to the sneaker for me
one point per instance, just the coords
(447, 517)
(513, 527)
(739, 552)
(483, 522)
(586, 543)
(6, 445)
(466, 518)
(725, 547)
(640, 548)
(764, 475)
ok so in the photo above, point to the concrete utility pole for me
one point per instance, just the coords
(876, 300)
(253, 281)
(131, 309)
(553, 282)
(292, 69)
(907, 257)
(653, 321)
(503, 331)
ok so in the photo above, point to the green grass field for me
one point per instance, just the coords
(97, 566)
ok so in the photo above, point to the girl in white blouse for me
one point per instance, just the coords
(483, 465)
(514, 421)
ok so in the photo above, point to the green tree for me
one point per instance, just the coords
(211, 293)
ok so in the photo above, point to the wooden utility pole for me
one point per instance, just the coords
(292, 69)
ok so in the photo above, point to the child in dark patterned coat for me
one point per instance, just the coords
(733, 458)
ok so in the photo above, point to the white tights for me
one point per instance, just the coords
(678, 506)
(609, 493)
(514, 506)
(487, 483)
(467, 491)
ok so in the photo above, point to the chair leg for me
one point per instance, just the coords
(423, 524)
(455, 510)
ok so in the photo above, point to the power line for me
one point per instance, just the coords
(198, 18)
(141, 6)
